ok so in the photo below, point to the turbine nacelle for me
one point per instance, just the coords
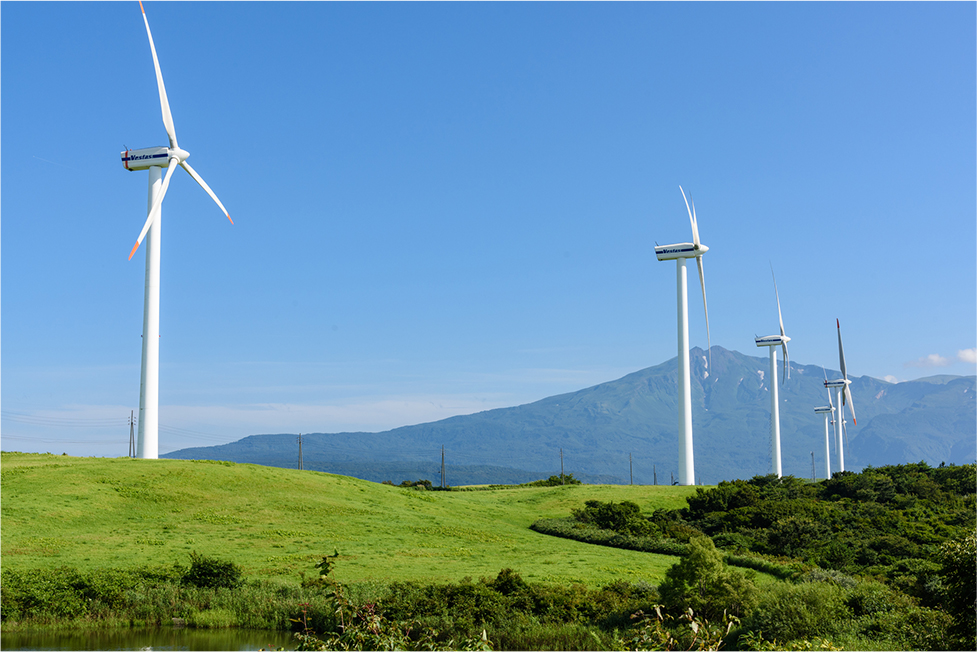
(825, 409)
(772, 340)
(147, 157)
(835, 384)
(680, 250)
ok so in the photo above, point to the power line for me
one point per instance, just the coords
(63, 422)
(48, 440)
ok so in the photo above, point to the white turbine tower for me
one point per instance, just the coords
(679, 253)
(772, 342)
(155, 159)
(844, 398)
(829, 415)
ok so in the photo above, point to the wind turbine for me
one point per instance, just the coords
(772, 342)
(828, 411)
(844, 397)
(155, 159)
(679, 253)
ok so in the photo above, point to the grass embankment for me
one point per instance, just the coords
(97, 513)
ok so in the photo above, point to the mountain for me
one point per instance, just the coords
(598, 428)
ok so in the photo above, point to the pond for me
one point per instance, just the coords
(161, 638)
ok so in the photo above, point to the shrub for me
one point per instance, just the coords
(788, 612)
(207, 572)
(553, 481)
(703, 582)
(624, 517)
(792, 535)
(509, 582)
(959, 573)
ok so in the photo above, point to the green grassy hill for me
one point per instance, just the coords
(96, 513)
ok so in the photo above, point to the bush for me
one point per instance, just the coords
(704, 583)
(553, 481)
(788, 612)
(624, 517)
(959, 574)
(210, 573)
(571, 529)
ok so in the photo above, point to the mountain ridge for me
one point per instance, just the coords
(607, 431)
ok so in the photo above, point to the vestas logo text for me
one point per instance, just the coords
(145, 156)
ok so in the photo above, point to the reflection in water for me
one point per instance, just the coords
(165, 638)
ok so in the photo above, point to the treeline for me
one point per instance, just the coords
(895, 540)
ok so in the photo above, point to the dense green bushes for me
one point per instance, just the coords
(845, 611)
(886, 555)
(623, 517)
(569, 528)
(153, 596)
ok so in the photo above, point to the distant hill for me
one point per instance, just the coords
(932, 420)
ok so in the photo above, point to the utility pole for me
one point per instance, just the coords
(631, 467)
(132, 439)
(654, 470)
(443, 483)
(300, 452)
(561, 466)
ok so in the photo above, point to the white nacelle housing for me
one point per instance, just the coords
(772, 340)
(143, 159)
(681, 250)
(835, 384)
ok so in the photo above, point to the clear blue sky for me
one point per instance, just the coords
(444, 208)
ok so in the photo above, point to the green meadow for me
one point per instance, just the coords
(95, 513)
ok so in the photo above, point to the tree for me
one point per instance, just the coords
(703, 582)
(959, 574)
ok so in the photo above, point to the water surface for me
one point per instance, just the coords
(160, 638)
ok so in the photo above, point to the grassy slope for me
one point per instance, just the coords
(98, 512)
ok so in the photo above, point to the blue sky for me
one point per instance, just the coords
(444, 208)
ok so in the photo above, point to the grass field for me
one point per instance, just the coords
(97, 513)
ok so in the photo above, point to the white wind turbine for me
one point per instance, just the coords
(844, 397)
(828, 411)
(155, 159)
(679, 253)
(772, 342)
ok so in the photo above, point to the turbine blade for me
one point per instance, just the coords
(695, 231)
(695, 223)
(163, 102)
(841, 352)
(786, 374)
(851, 405)
(702, 282)
(154, 211)
(779, 314)
(203, 184)
(828, 390)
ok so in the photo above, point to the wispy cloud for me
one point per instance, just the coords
(967, 355)
(931, 360)
(890, 379)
